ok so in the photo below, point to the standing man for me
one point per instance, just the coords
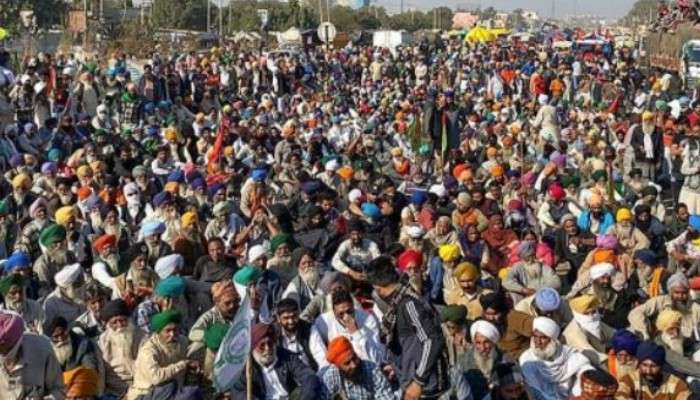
(412, 333)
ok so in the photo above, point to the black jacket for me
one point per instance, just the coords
(292, 373)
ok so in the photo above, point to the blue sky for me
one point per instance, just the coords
(607, 8)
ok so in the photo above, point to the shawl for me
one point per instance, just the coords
(555, 379)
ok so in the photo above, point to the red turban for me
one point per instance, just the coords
(84, 192)
(103, 242)
(408, 257)
(556, 192)
(339, 351)
(259, 332)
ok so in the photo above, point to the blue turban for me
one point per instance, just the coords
(176, 176)
(55, 154)
(646, 256)
(152, 227)
(311, 187)
(624, 340)
(694, 222)
(419, 197)
(153, 130)
(215, 188)
(547, 299)
(172, 286)
(18, 259)
(649, 350)
(370, 210)
(197, 183)
(258, 175)
(162, 198)
(92, 202)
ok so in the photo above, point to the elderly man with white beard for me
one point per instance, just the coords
(29, 240)
(552, 370)
(119, 345)
(54, 256)
(106, 259)
(622, 358)
(587, 333)
(668, 326)
(12, 291)
(477, 365)
(161, 363)
(677, 299)
(614, 308)
(305, 286)
(67, 299)
(150, 233)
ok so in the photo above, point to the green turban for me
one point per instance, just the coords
(4, 209)
(567, 181)
(214, 335)
(52, 234)
(599, 174)
(9, 281)
(165, 318)
(171, 287)
(279, 240)
(247, 275)
(454, 313)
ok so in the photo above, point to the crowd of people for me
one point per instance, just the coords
(445, 220)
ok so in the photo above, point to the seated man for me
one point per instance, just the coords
(622, 357)
(277, 373)
(72, 350)
(477, 365)
(649, 381)
(552, 370)
(678, 349)
(529, 275)
(587, 333)
(350, 376)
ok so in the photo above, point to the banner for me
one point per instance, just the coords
(233, 353)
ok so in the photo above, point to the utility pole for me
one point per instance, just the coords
(208, 15)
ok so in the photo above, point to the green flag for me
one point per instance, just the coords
(233, 352)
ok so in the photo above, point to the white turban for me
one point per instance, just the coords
(485, 329)
(415, 232)
(546, 326)
(165, 266)
(332, 165)
(438, 190)
(542, 99)
(354, 195)
(256, 252)
(68, 275)
(601, 270)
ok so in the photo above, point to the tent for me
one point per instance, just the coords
(480, 34)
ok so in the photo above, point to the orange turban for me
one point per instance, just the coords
(84, 192)
(81, 382)
(345, 172)
(457, 171)
(491, 152)
(188, 219)
(104, 241)
(604, 256)
(339, 351)
(497, 171)
(222, 288)
(595, 200)
(172, 187)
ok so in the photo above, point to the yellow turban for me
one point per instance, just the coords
(668, 319)
(84, 170)
(396, 152)
(228, 151)
(466, 270)
(21, 181)
(623, 214)
(97, 166)
(584, 304)
(595, 200)
(449, 252)
(647, 116)
(81, 382)
(64, 214)
(171, 134)
(189, 218)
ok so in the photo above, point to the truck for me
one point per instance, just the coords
(677, 52)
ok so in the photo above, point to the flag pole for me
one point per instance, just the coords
(249, 362)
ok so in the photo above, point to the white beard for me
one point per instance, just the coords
(589, 323)
(485, 363)
(113, 229)
(16, 306)
(74, 295)
(310, 278)
(673, 343)
(264, 360)
(112, 262)
(63, 351)
(548, 353)
(625, 369)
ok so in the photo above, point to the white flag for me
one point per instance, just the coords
(234, 349)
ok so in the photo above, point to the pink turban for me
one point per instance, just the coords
(11, 329)
(608, 242)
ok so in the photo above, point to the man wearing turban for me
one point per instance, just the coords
(161, 360)
(668, 327)
(12, 291)
(22, 197)
(350, 376)
(29, 239)
(226, 302)
(272, 362)
(646, 141)
(598, 280)
(464, 287)
(40, 374)
(119, 345)
(454, 328)
(552, 370)
(649, 381)
(190, 241)
(527, 276)
(622, 357)
(587, 332)
(55, 255)
(678, 299)
(281, 246)
(81, 383)
(629, 237)
(477, 365)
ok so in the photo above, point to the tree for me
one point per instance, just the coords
(488, 13)
(180, 14)
(516, 21)
(641, 12)
(47, 12)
